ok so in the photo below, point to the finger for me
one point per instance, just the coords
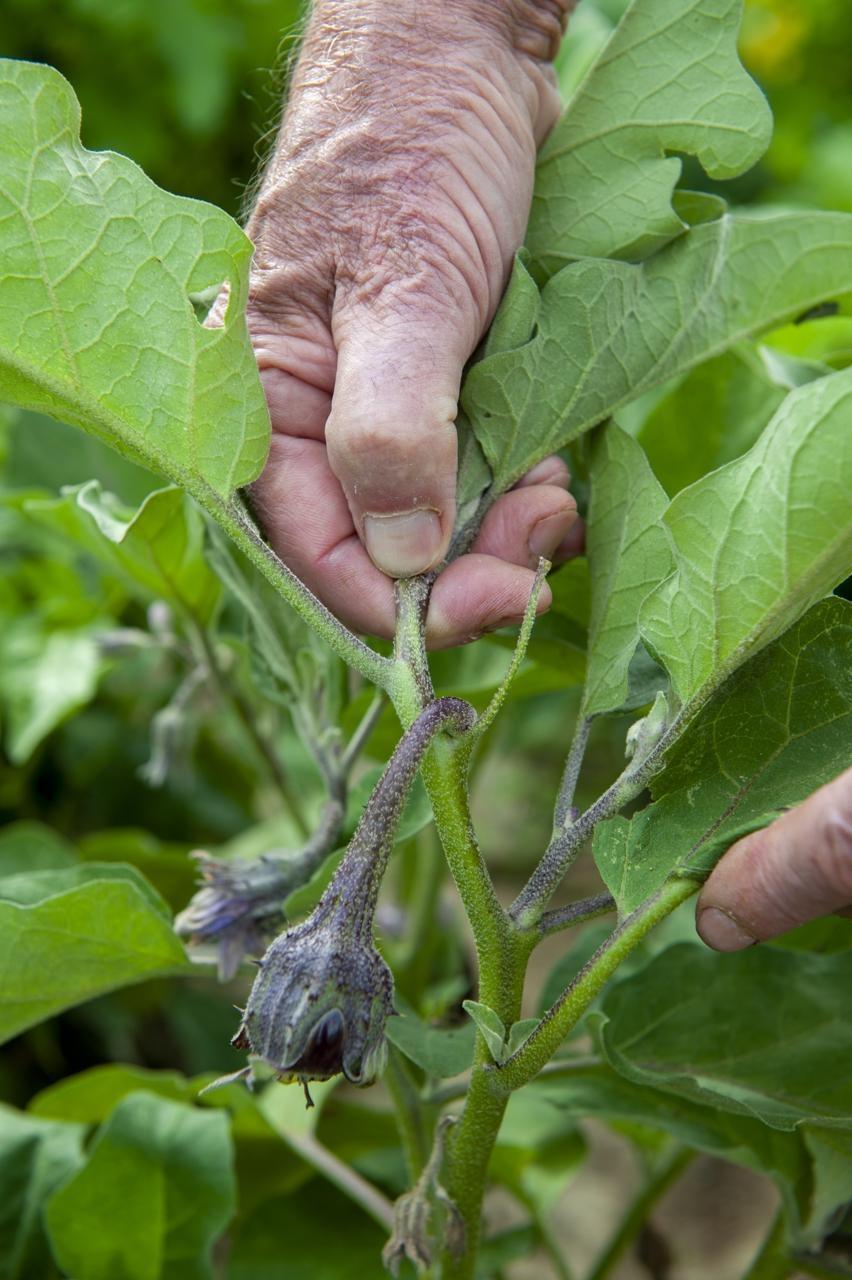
(392, 441)
(551, 470)
(527, 523)
(478, 593)
(305, 515)
(795, 870)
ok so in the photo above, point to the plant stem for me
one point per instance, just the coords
(229, 692)
(408, 1107)
(773, 1261)
(637, 1214)
(342, 1175)
(571, 773)
(564, 847)
(359, 738)
(564, 1014)
(242, 530)
(574, 913)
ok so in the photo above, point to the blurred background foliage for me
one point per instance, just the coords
(191, 90)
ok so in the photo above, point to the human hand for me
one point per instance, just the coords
(795, 870)
(384, 233)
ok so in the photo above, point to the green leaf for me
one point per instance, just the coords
(607, 331)
(156, 1192)
(30, 846)
(90, 1097)
(164, 864)
(35, 1157)
(439, 1051)
(776, 730)
(97, 324)
(628, 555)
(291, 1236)
(737, 396)
(781, 1017)
(601, 1093)
(831, 1152)
(156, 550)
(785, 541)
(669, 80)
(489, 1025)
(80, 942)
(44, 677)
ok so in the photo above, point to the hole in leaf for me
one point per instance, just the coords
(204, 300)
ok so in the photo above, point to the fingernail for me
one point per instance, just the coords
(403, 545)
(721, 931)
(546, 535)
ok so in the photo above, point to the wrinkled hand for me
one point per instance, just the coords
(384, 230)
(795, 870)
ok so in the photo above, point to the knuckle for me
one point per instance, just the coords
(835, 848)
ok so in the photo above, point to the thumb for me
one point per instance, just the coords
(795, 870)
(391, 440)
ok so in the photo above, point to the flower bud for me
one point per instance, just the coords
(319, 1004)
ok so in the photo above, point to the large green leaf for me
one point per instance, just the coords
(35, 1157)
(601, 1093)
(154, 1195)
(669, 80)
(156, 550)
(757, 542)
(606, 331)
(45, 676)
(76, 933)
(764, 1032)
(97, 323)
(779, 728)
(629, 554)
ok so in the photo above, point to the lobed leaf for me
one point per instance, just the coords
(668, 80)
(607, 331)
(776, 730)
(97, 322)
(756, 542)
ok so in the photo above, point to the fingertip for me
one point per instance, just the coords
(479, 593)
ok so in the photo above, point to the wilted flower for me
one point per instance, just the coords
(238, 909)
(319, 1004)
(425, 1216)
(240, 906)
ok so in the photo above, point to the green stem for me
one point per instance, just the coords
(773, 1261)
(637, 1214)
(408, 1107)
(562, 1016)
(237, 524)
(571, 772)
(229, 692)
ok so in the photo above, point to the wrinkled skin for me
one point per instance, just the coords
(385, 226)
(384, 229)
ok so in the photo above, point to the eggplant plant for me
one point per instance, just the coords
(645, 333)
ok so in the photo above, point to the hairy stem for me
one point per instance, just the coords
(637, 1214)
(562, 1016)
(571, 773)
(242, 530)
(575, 913)
(230, 693)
